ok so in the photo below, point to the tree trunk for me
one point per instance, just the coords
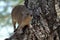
(59, 3)
(43, 22)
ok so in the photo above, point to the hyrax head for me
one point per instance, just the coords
(27, 16)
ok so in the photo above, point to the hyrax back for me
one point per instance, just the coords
(21, 15)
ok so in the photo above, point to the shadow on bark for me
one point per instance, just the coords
(45, 24)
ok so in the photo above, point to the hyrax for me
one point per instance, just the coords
(21, 15)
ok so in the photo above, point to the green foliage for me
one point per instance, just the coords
(5, 17)
(20, 1)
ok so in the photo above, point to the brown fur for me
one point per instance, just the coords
(21, 15)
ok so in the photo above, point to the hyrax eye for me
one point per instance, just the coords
(31, 15)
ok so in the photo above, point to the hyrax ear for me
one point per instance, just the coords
(27, 14)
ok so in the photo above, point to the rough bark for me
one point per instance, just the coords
(44, 23)
(59, 3)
